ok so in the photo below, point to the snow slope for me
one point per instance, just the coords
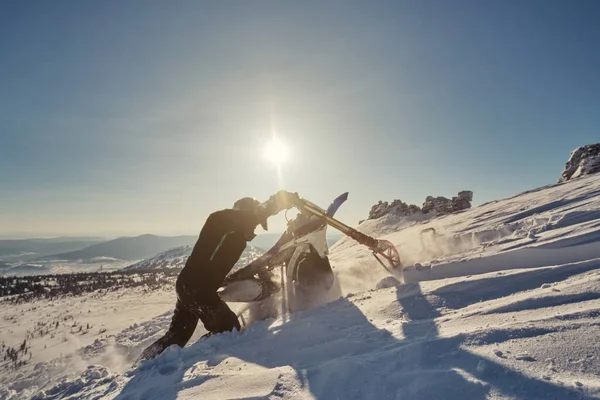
(501, 302)
(551, 225)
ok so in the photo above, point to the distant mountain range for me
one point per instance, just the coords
(29, 249)
(13, 252)
(176, 258)
(126, 248)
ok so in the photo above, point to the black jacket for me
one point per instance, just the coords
(222, 241)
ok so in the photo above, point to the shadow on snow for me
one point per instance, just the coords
(336, 352)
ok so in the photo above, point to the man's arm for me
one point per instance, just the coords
(282, 200)
(233, 220)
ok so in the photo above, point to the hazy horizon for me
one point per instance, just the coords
(31, 236)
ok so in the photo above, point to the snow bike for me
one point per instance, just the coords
(305, 277)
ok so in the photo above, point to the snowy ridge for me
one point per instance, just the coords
(555, 224)
(176, 258)
(500, 302)
(61, 267)
(23, 269)
(173, 258)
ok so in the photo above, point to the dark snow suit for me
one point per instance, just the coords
(222, 241)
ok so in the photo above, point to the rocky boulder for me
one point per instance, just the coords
(442, 205)
(397, 207)
(436, 205)
(584, 160)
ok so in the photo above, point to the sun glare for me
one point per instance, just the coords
(276, 152)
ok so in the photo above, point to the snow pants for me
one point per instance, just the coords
(191, 306)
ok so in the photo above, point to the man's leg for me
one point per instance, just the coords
(214, 313)
(180, 331)
(218, 318)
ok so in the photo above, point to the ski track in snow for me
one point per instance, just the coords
(504, 304)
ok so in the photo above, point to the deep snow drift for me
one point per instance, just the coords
(499, 302)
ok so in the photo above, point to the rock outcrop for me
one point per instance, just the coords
(584, 160)
(397, 207)
(434, 205)
(442, 205)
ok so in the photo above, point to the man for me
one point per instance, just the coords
(222, 241)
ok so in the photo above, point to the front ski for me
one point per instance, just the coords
(380, 248)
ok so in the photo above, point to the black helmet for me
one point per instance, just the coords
(252, 205)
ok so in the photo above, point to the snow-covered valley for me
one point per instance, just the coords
(498, 302)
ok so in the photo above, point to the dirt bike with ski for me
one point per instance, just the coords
(295, 273)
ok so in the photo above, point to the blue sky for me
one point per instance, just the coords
(145, 116)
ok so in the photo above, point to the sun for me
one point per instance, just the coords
(276, 152)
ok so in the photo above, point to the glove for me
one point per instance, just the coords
(285, 199)
(282, 200)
